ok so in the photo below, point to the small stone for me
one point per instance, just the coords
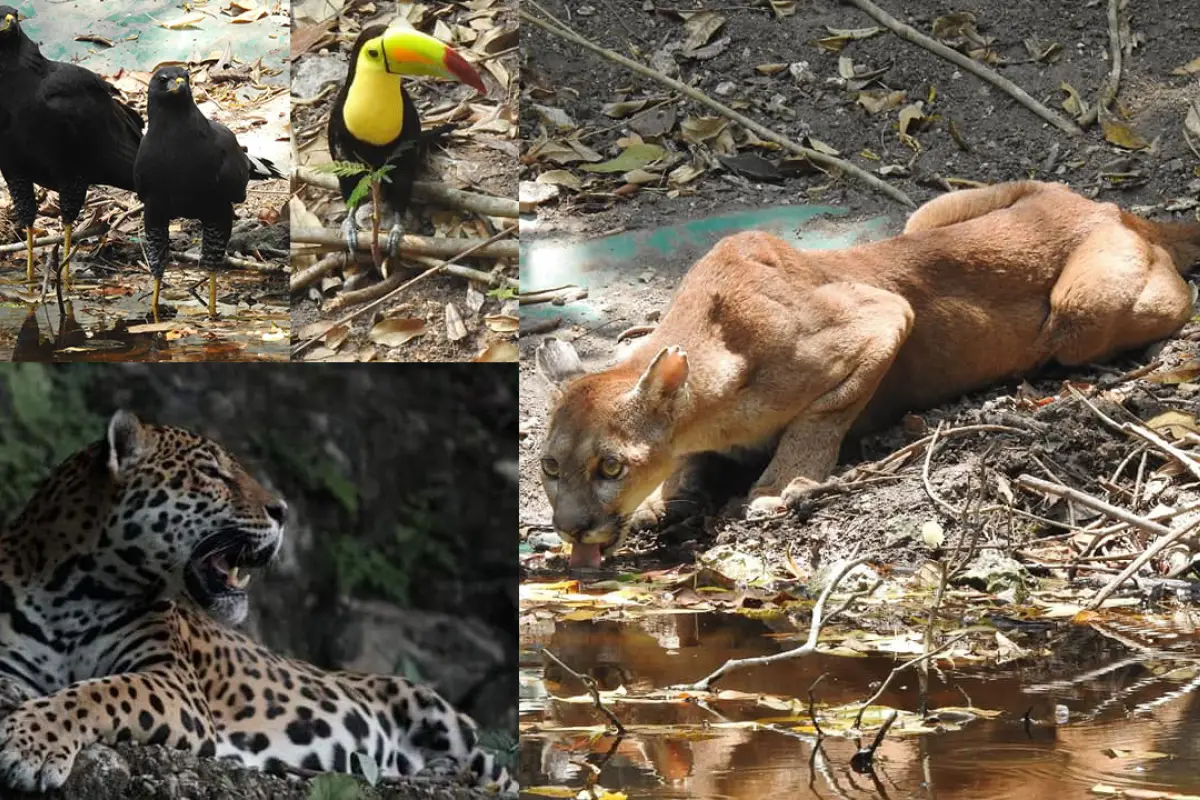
(646, 276)
(726, 88)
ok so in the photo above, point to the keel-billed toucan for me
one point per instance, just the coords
(374, 122)
(62, 128)
(191, 167)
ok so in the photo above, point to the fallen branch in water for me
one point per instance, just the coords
(912, 662)
(590, 684)
(819, 620)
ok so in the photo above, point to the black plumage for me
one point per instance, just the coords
(405, 152)
(61, 127)
(191, 167)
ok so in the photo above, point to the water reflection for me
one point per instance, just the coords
(1128, 691)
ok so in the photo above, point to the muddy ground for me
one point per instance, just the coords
(480, 156)
(1003, 141)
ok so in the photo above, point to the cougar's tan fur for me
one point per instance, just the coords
(766, 343)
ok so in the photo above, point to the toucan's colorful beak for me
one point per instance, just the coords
(409, 52)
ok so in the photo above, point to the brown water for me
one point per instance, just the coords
(1125, 689)
(111, 322)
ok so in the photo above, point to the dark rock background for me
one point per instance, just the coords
(400, 551)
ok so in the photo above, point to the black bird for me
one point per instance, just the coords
(62, 128)
(189, 166)
(375, 122)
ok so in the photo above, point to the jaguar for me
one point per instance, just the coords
(120, 585)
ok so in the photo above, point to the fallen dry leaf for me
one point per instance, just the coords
(395, 331)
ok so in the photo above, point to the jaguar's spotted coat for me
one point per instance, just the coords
(107, 583)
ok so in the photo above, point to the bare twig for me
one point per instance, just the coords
(300, 348)
(391, 282)
(1156, 547)
(812, 711)
(819, 619)
(913, 447)
(561, 30)
(910, 663)
(942, 504)
(421, 245)
(233, 261)
(1145, 434)
(1058, 490)
(590, 684)
(438, 194)
(1108, 92)
(76, 236)
(910, 34)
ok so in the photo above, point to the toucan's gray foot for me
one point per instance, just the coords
(350, 235)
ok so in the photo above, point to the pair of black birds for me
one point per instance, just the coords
(63, 127)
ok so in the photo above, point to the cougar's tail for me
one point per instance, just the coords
(1180, 239)
(968, 204)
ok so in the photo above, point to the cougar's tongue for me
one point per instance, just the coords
(585, 555)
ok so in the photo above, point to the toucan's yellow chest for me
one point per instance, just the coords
(374, 109)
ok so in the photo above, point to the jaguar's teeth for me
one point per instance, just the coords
(236, 579)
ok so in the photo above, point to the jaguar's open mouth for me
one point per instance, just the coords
(220, 564)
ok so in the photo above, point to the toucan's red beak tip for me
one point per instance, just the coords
(463, 70)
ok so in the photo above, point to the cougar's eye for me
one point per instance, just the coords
(611, 468)
(550, 467)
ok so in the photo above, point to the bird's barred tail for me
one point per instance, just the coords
(263, 168)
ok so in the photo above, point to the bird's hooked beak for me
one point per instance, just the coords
(407, 51)
(7, 23)
(177, 85)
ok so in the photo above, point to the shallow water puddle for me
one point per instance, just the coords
(1124, 686)
(111, 322)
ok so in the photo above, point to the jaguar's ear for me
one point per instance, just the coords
(126, 439)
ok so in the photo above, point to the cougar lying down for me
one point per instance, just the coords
(764, 342)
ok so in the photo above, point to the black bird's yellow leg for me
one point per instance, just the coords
(29, 255)
(158, 251)
(64, 275)
(154, 300)
(213, 241)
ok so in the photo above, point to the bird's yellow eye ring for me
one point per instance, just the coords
(550, 467)
(611, 468)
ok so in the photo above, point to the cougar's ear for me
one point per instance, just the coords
(126, 440)
(558, 362)
(664, 379)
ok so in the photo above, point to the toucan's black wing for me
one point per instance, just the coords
(85, 126)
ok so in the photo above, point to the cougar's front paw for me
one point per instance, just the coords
(36, 753)
(650, 515)
(800, 490)
(765, 507)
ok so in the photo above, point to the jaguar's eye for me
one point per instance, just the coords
(550, 467)
(611, 468)
(209, 470)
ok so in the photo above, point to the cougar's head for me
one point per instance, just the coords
(608, 445)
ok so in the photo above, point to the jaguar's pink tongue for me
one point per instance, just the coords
(585, 555)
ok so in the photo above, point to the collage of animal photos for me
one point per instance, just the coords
(616, 399)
